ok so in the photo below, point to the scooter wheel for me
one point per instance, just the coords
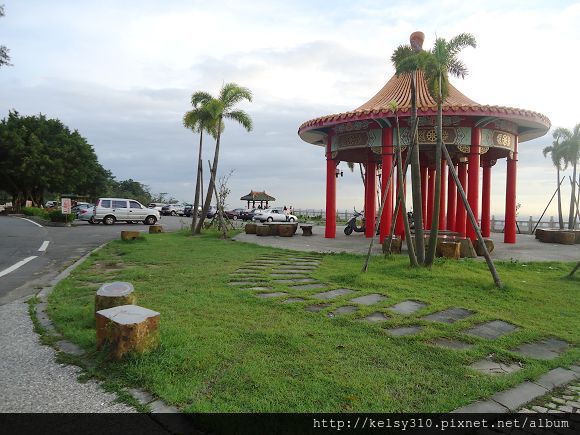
(348, 231)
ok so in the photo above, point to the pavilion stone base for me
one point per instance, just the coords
(130, 235)
(126, 329)
(114, 294)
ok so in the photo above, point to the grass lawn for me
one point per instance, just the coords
(225, 350)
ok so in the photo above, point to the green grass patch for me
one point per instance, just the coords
(225, 350)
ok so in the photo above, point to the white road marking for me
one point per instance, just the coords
(17, 265)
(32, 222)
(44, 246)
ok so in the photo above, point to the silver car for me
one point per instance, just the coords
(273, 215)
(111, 210)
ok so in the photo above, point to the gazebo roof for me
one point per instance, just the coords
(398, 88)
(257, 196)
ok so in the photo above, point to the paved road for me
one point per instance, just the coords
(21, 239)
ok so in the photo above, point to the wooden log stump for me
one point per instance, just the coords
(451, 250)
(547, 235)
(250, 228)
(576, 236)
(154, 229)
(263, 230)
(273, 229)
(539, 233)
(127, 328)
(286, 230)
(467, 249)
(396, 245)
(114, 294)
(306, 230)
(130, 235)
(479, 249)
(294, 227)
(564, 237)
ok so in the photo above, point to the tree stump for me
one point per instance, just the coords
(130, 235)
(273, 229)
(451, 250)
(479, 249)
(114, 294)
(467, 249)
(154, 229)
(262, 230)
(565, 238)
(127, 328)
(285, 230)
(306, 230)
(396, 245)
(250, 228)
(547, 236)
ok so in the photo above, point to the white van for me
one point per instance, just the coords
(111, 210)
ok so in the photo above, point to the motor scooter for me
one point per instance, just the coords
(352, 226)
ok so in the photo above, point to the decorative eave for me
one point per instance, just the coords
(257, 196)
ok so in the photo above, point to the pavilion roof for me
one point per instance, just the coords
(257, 196)
(398, 89)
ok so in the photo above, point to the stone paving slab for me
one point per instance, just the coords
(545, 349)
(407, 307)
(371, 299)
(331, 294)
(296, 281)
(288, 275)
(296, 267)
(242, 283)
(403, 331)
(308, 286)
(291, 271)
(491, 330)
(490, 367)
(316, 308)
(482, 407)
(272, 295)
(377, 316)
(291, 300)
(259, 288)
(346, 309)
(452, 344)
(556, 378)
(519, 395)
(450, 315)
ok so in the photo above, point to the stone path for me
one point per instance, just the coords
(287, 279)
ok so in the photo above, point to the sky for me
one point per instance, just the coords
(122, 74)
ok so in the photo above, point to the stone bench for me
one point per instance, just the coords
(286, 230)
(113, 294)
(250, 228)
(263, 230)
(130, 235)
(552, 235)
(154, 229)
(306, 230)
(127, 328)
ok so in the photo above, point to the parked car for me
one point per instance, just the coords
(80, 206)
(172, 210)
(88, 215)
(187, 210)
(235, 214)
(111, 210)
(247, 215)
(212, 211)
(51, 204)
(273, 215)
(157, 206)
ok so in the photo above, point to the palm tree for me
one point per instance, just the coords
(438, 64)
(556, 151)
(198, 120)
(571, 151)
(407, 60)
(222, 108)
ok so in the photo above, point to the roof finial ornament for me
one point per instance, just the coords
(416, 40)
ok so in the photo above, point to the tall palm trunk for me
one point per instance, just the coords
(560, 217)
(197, 187)
(430, 257)
(572, 215)
(416, 176)
(211, 186)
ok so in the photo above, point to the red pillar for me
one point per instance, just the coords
(442, 204)
(387, 164)
(370, 196)
(451, 202)
(473, 181)
(460, 212)
(430, 196)
(509, 234)
(330, 228)
(399, 224)
(486, 201)
(424, 193)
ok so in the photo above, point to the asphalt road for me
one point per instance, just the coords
(20, 240)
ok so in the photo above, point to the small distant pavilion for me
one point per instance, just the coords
(254, 197)
(476, 136)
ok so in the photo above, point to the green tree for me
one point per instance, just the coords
(4, 56)
(129, 189)
(571, 152)
(222, 108)
(198, 120)
(438, 64)
(556, 151)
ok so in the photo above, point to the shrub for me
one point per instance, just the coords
(58, 216)
(35, 211)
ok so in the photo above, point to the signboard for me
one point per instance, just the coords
(66, 206)
(28, 203)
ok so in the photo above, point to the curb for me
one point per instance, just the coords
(175, 424)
